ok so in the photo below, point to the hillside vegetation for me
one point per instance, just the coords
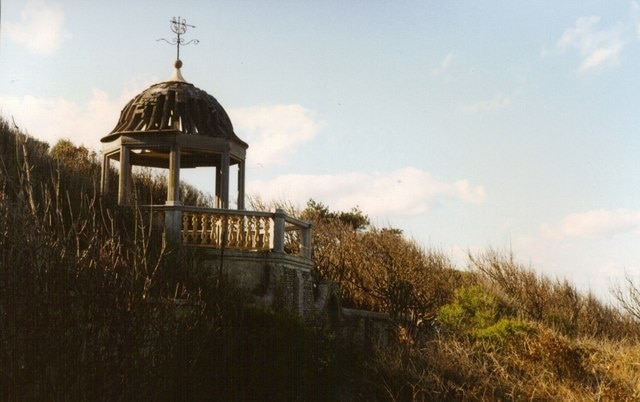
(92, 307)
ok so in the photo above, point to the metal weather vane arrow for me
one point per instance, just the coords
(179, 27)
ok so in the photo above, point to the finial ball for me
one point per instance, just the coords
(178, 63)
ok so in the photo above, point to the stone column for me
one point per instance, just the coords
(224, 181)
(278, 231)
(125, 177)
(241, 176)
(173, 185)
(173, 210)
(104, 176)
(173, 225)
(218, 202)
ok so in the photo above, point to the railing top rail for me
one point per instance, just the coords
(219, 211)
(297, 222)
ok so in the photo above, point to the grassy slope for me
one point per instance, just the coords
(76, 321)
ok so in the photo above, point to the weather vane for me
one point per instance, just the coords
(179, 27)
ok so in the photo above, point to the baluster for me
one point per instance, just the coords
(218, 231)
(194, 228)
(243, 222)
(266, 233)
(234, 230)
(251, 232)
(211, 236)
(241, 232)
(255, 233)
(185, 227)
(264, 240)
(203, 232)
(242, 226)
(226, 230)
(260, 232)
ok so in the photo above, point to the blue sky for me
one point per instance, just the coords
(469, 125)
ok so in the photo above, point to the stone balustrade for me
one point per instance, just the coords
(236, 229)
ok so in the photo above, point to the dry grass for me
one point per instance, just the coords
(543, 365)
(92, 307)
(86, 311)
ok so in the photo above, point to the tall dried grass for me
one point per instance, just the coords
(92, 307)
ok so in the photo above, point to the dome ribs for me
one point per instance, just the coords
(139, 117)
(207, 112)
(189, 125)
(174, 106)
(167, 110)
(182, 117)
(156, 116)
(126, 116)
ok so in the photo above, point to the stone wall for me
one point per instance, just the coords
(276, 281)
(366, 328)
(283, 282)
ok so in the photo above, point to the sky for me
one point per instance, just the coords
(469, 125)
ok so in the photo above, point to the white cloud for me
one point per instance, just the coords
(499, 101)
(463, 190)
(443, 67)
(635, 17)
(596, 223)
(590, 261)
(274, 131)
(589, 248)
(403, 192)
(617, 270)
(598, 48)
(41, 28)
(50, 119)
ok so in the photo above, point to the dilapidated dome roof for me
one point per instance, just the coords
(174, 106)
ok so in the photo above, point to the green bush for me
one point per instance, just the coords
(472, 308)
(503, 331)
(477, 313)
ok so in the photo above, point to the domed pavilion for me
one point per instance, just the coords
(174, 125)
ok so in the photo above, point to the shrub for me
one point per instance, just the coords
(472, 307)
(88, 307)
(477, 313)
(556, 304)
